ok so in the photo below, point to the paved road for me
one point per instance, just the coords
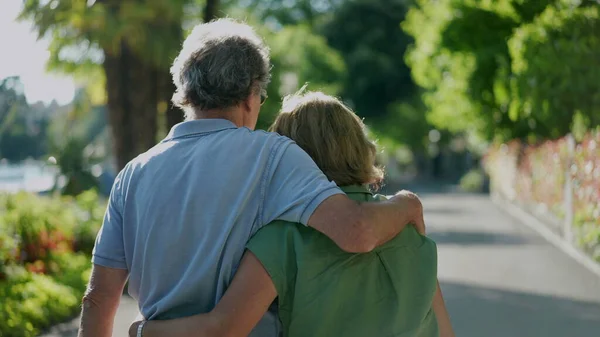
(499, 278)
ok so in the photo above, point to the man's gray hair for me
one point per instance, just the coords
(220, 65)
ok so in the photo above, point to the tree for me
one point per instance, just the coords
(12, 102)
(135, 42)
(299, 56)
(283, 13)
(461, 59)
(130, 57)
(556, 70)
(368, 36)
(211, 10)
(405, 123)
(72, 139)
(75, 165)
(22, 128)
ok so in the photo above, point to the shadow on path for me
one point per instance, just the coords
(486, 312)
(477, 238)
(419, 186)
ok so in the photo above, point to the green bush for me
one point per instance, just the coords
(45, 248)
(92, 213)
(9, 251)
(70, 269)
(33, 302)
(473, 181)
(40, 224)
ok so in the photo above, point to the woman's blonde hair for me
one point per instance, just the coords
(333, 135)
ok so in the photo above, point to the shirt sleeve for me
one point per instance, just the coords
(294, 187)
(109, 249)
(272, 246)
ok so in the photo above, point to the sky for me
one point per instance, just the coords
(22, 55)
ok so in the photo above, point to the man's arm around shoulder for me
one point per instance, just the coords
(296, 185)
(101, 301)
(361, 227)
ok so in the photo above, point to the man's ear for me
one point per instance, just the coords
(247, 104)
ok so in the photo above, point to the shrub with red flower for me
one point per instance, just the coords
(34, 228)
(536, 175)
(585, 175)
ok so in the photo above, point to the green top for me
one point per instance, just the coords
(326, 292)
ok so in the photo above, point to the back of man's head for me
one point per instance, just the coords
(221, 63)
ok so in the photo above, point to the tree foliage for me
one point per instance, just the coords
(81, 29)
(23, 127)
(134, 42)
(294, 12)
(122, 50)
(496, 67)
(368, 35)
(556, 69)
(459, 48)
(299, 57)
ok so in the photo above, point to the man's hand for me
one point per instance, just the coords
(247, 299)
(411, 205)
(359, 228)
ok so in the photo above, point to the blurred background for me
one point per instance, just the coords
(466, 98)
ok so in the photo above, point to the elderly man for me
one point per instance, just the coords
(179, 215)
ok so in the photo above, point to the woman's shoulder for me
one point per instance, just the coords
(279, 227)
(410, 238)
(278, 232)
(281, 247)
(289, 238)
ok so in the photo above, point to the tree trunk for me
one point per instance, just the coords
(134, 89)
(166, 88)
(210, 10)
(131, 99)
(117, 105)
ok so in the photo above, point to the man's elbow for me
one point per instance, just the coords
(96, 300)
(92, 299)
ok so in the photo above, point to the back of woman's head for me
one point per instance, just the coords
(332, 135)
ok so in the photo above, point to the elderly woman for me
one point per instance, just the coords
(320, 289)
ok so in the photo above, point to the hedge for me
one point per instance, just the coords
(45, 247)
(544, 176)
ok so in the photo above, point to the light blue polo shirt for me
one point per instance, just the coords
(179, 215)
